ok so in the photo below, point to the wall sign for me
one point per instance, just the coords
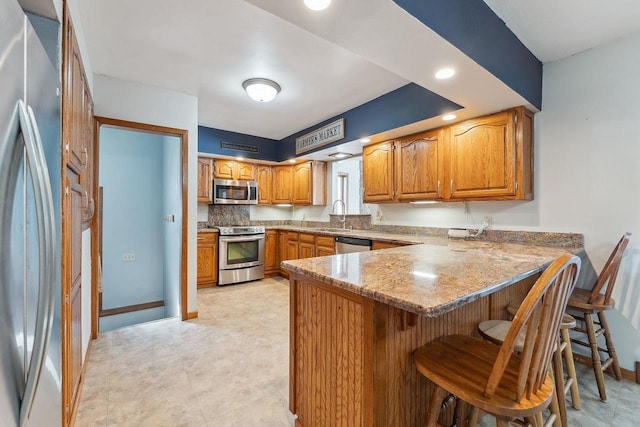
(327, 134)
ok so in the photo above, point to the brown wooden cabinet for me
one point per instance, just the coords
(309, 184)
(325, 245)
(288, 248)
(233, 169)
(306, 245)
(264, 185)
(271, 264)
(490, 158)
(418, 167)
(205, 174)
(282, 184)
(378, 172)
(487, 158)
(207, 259)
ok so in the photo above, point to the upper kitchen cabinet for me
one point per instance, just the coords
(309, 184)
(377, 172)
(282, 183)
(205, 166)
(232, 169)
(418, 167)
(490, 158)
(264, 184)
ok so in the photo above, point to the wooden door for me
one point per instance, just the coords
(224, 169)
(204, 180)
(264, 185)
(418, 167)
(302, 184)
(207, 259)
(377, 172)
(482, 160)
(281, 184)
(245, 171)
(271, 252)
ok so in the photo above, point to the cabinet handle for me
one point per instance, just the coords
(85, 200)
(516, 185)
(451, 187)
(85, 153)
(438, 187)
(200, 238)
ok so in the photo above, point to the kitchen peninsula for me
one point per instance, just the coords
(356, 319)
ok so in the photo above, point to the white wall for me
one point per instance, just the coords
(120, 99)
(587, 174)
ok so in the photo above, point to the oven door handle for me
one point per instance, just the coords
(248, 192)
(242, 238)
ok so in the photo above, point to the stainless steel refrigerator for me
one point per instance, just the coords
(30, 329)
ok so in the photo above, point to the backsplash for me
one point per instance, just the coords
(228, 215)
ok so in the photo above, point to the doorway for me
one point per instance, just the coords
(141, 248)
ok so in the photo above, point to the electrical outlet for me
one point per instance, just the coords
(128, 257)
(169, 218)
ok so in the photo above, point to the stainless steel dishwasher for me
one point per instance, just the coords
(346, 245)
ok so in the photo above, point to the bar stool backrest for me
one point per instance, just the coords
(609, 273)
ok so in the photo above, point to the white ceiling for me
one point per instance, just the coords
(326, 62)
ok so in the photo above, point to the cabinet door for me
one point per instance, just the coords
(207, 259)
(325, 245)
(482, 160)
(302, 184)
(225, 169)
(283, 238)
(307, 245)
(264, 185)
(245, 171)
(204, 180)
(281, 184)
(292, 245)
(418, 167)
(271, 252)
(377, 172)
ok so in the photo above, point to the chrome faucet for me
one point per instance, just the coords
(344, 211)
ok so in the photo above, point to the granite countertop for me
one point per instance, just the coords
(431, 278)
(410, 239)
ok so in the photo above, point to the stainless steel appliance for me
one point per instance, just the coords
(229, 192)
(240, 254)
(347, 245)
(30, 329)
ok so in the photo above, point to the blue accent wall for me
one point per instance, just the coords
(209, 140)
(472, 27)
(409, 104)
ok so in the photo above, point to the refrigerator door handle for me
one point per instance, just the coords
(43, 201)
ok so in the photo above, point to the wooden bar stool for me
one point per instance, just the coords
(596, 301)
(494, 378)
(495, 331)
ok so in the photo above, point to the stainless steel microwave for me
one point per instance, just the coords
(229, 192)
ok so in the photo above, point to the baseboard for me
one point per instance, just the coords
(192, 315)
(627, 374)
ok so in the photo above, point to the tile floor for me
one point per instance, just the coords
(229, 367)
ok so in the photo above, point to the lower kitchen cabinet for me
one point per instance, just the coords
(207, 259)
(306, 245)
(325, 245)
(271, 256)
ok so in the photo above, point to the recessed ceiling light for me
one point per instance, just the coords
(340, 155)
(261, 90)
(445, 73)
(365, 140)
(239, 159)
(448, 117)
(292, 160)
(317, 4)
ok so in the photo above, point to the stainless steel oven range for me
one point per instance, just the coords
(240, 254)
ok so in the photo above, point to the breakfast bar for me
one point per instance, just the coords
(357, 318)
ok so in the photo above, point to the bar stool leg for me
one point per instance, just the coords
(554, 411)
(558, 376)
(610, 349)
(595, 356)
(571, 368)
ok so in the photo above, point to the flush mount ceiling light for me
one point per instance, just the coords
(340, 155)
(261, 90)
(292, 160)
(365, 140)
(317, 4)
(448, 117)
(445, 73)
